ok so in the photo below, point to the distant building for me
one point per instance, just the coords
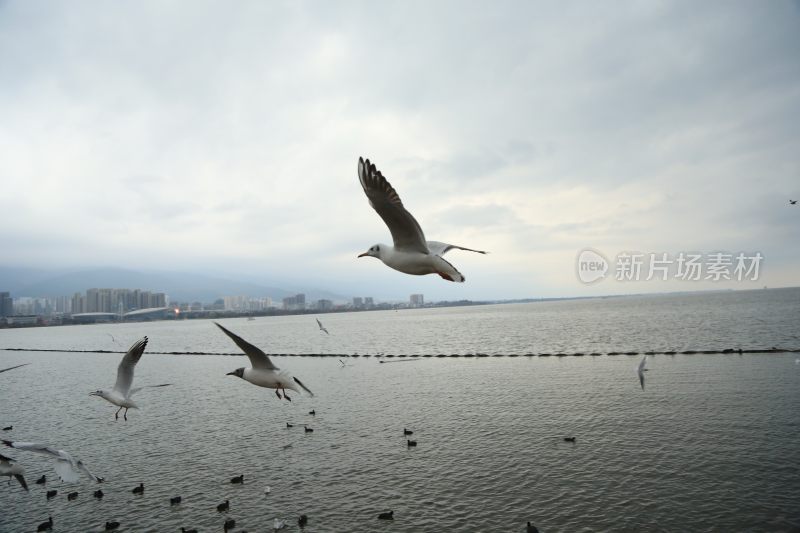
(417, 300)
(368, 302)
(324, 305)
(6, 304)
(358, 302)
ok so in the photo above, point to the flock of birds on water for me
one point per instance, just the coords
(410, 254)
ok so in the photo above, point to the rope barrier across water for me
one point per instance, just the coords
(725, 351)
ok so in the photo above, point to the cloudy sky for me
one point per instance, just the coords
(223, 138)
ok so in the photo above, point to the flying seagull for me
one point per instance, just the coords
(411, 253)
(263, 373)
(67, 468)
(121, 394)
(640, 370)
(13, 367)
(321, 327)
(7, 469)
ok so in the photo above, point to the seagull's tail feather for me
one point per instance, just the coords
(304, 387)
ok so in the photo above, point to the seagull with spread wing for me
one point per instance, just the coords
(67, 468)
(640, 370)
(411, 253)
(263, 373)
(122, 392)
(8, 469)
(321, 327)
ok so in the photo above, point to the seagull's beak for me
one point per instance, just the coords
(364, 254)
(231, 373)
(93, 394)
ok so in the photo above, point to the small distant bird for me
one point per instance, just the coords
(42, 480)
(67, 468)
(263, 373)
(389, 515)
(411, 253)
(411, 442)
(46, 526)
(223, 507)
(175, 501)
(111, 525)
(184, 530)
(288, 425)
(8, 469)
(302, 521)
(267, 490)
(530, 528)
(407, 432)
(13, 367)
(229, 524)
(72, 496)
(640, 370)
(569, 439)
(238, 479)
(321, 327)
(8, 428)
(98, 494)
(308, 430)
(51, 494)
(793, 202)
(278, 524)
(122, 393)
(139, 489)
(312, 412)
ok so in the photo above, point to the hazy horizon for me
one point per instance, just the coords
(224, 139)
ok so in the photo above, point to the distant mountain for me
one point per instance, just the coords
(179, 286)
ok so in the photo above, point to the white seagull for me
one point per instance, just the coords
(263, 373)
(321, 327)
(7, 469)
(121, 394)
(411, 253)
(67, 468)
(640, 370)
(13, 367)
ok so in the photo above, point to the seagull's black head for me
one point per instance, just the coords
(239, 372)
(374, 251)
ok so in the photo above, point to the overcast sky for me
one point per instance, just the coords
(223, 138)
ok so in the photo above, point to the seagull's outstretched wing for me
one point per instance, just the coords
(441, 248)
(65, 466)
(66, 470)
(137, 389)
(13, 367)
(640, 370)
(35, 447)
(125, 369)
(258, 359)
(82, 468)
(322, 327)
(304, 387)
(21, 479)
(405, 230)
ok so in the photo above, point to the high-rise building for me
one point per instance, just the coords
(358, 302)
(368, 302)
(6, 304)
(417, 300)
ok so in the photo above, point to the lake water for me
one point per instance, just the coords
(711, 444)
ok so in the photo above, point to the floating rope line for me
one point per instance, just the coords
(726, 351)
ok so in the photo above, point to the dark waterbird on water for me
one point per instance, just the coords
(288, 425)
(51, 494)
(407, 432)
(139, 489)
(308, 429)
(569, 439)
(46, 526)
(98, 494)
(223, 507)
(238, 480)
(175, 501)
(411, 442)
(42, 480)
(229, 524)
(793, 202)
(8, 428)
(389, 515)
(302, 521)
(312, 412)
(72, 496)
(111, 525)
(530, 528)
(184, 530)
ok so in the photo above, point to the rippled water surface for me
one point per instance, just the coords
(711, 444)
